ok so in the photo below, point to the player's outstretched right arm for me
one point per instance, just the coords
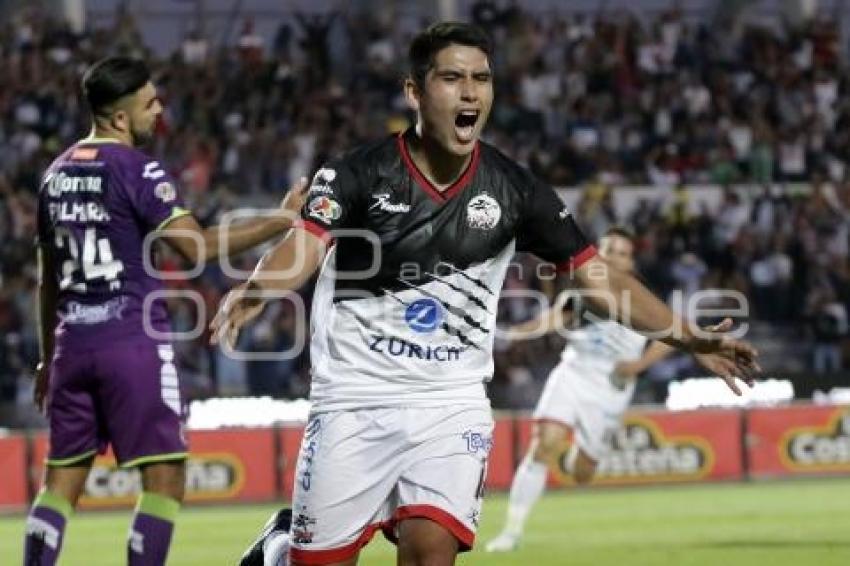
(196, 244)
(550, 232)
(286, 267)
(335, 204)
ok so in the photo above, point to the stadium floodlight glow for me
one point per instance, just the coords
(180, 274)
(200, 322)
(835, 396)
(299, 336)
(697, 393)
(220, 412)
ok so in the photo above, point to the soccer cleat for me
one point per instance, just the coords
(503, 543)
(273, 542)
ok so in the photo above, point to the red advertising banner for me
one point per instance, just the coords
(662, 447)
(799, 440)
(651, 447)
(13, 488)
(223, 465)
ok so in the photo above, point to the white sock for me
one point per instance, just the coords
(527, 487)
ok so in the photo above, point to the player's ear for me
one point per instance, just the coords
(120, 120)
(411, 94)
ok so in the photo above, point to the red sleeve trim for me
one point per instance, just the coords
(461, 532)
(577, 260)
(300, 556)
(316, 229)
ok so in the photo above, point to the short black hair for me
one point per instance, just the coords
(620, 231)
(426, 45)
(111, 79)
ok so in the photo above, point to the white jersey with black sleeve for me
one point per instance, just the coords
(405, 305)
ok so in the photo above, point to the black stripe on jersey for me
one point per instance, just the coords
(450, 330)
(451, 308)
(478, 282)
(478, 302)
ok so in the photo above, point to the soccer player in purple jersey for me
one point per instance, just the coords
(106, 374)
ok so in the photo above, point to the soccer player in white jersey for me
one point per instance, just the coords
(586, 394)
(414, 235)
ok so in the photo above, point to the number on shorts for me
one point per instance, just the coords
(479, 490)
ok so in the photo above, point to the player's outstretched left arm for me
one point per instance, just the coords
(619, 295)
(286, 267)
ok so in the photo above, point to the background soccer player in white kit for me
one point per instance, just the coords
(586, 393)
(400, 425)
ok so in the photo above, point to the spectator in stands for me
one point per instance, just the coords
(829, 325)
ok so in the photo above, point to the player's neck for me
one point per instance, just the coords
(101, 133)
(439, 166)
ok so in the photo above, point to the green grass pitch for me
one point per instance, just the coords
(789, 523)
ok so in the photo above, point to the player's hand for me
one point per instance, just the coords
(239, 306)
(627, 370)
(42, 384)
(724, 356)
(294, 200)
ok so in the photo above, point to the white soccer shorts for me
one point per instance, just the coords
(364, 470)
(592, 409)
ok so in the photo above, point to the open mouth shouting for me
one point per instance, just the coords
(465, 121)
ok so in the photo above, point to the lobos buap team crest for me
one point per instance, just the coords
(483, 212)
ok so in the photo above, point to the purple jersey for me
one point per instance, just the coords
(97, 203)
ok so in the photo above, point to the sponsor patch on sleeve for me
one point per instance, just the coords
(324, 208)
(165, 192)
(84, 154)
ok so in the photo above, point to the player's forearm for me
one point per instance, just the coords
(236, 238)
(46, 317)
(289, 264)
(656, 352)
(620, 296)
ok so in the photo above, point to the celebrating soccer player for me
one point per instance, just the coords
(414, 235)
(103, 378)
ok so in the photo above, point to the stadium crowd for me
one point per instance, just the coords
(592, 102)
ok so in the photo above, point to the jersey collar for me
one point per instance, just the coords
(91, 138)
(432, 191)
